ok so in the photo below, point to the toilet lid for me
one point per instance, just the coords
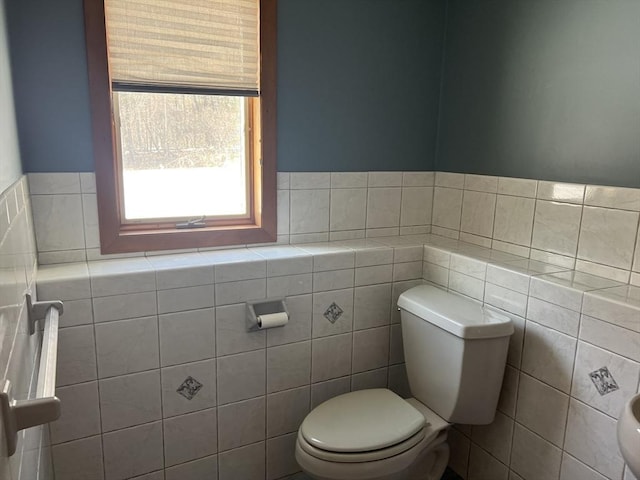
(361, 421)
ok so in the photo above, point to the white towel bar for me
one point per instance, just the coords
(45, 408)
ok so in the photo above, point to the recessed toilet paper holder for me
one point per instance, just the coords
(256, 311)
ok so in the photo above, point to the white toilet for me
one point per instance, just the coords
(455, 352)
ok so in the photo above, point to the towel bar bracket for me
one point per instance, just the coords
(38, 310)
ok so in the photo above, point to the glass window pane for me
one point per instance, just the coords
(183, 156)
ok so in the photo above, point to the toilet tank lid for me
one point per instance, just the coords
(456, 314)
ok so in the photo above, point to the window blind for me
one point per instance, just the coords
(211, 44)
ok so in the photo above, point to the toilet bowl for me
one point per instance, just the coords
(374, 435)
(455, 352)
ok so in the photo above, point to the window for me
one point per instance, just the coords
(183, 112)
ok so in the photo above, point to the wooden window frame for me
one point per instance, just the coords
(119, 237)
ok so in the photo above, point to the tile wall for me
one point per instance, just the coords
(557, 257)
(159, 378)
(18, 350)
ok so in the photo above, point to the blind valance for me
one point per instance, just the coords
(189, 43)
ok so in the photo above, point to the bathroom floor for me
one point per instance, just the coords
(448, 475)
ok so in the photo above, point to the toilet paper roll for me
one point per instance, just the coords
(271, 320)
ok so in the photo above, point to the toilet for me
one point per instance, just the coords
(455, 352)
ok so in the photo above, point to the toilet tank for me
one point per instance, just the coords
(455, 352)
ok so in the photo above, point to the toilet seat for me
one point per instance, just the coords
(358, 457)
(363, 421)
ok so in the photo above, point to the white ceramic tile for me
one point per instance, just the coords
(617, 274)
(504, 299)
(206, 468)
(80, 416)
(283, 206)
(188, 298)
(370, 349)
(80, 459)
(372, 275)
(416, 206)
(187, 336)
(189, 437)
(437, 256)
(309, 211)
(466, 285)
(478, 210)
(115, 277)
(520, 187)
(548, 356)
(231, 331)
(374, 256)
(329, 319)
(398, 381)
(283, 180)
(418, 179)
(76, 355)
(610, 337)
(514, 220)
(244, 463)
(181, 270)
(87, 182)
(306, 180)
(90, 218)
(349, 179)
(372, 306)
(133, 451)
(288, 366)
(62, 257)
(620, 377)
(546, 418)
(278, 267)
(385, 179)
(370, 379)
(280, 456)
(120, 307)
(285, 286)
(348, 209)
(509, 392)
(459, 446)
(553, 316)
(302, 238)
(241, 376)
(561, 192)
(76, 312)
(383, 207)
(510, 248)
(322, 391)
(53, 183)
(481, 183)
(613, 197)
(286, 410)
(63, 282)
(484, 466)
(244, 270)
(556, 227)
(347, 235)
(591, 438)
(596, 242)
(175, 402)
(407, 271)
(573, 469)
(331, 357)
(618, 305)
(476, 239)
(495, 437)
(243, 291)
(58, 222)
(299, 326)
(533, 457)
(435, 274)
(241, 423)
(447, 208)
(447, 179)
(552, 289)
(503, 276)
(130, 400)
(127, 346)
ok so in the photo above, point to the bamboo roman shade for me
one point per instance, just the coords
(188, 43)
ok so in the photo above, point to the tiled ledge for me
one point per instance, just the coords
(505, 280)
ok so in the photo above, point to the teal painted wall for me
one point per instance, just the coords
(358, 84)
(542, 89)
(10, 167)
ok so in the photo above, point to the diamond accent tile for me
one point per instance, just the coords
(604, 381)
(333, 313)
(189, 388)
